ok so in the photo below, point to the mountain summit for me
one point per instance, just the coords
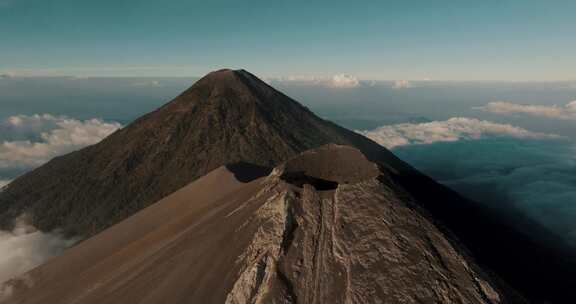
(231, 118)
(226, 117)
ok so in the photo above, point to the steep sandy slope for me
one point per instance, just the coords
(309, 232)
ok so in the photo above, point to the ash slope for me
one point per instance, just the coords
(310, 232)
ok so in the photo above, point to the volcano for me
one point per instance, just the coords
(234, 192)
(226, 117)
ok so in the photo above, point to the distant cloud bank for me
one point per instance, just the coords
(344, 81)
(150, 83)
(29, 141)
(402, 84)
(558, 112)
(453, 129)
(340, 81)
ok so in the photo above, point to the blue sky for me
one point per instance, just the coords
(443, 40)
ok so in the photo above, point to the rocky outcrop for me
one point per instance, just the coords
(361, 242)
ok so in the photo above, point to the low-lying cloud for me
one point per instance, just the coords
(558, 112)
(338, 81)
(344, 81)
(402, 84)
(507, 168)
(3, 182)
(25, 247)
(453, 129)
(29, 141)
(534, 177)
(148, 83)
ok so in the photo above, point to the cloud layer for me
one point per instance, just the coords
(534, 177)
(453, 129)
(342, 81)
(402, 84)
(3, 182)
(508, 168)
(25, 247)
(27, 142)
(558, 112)
(30, 141)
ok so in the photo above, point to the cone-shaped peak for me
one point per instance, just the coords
(226, 85)
(231, 78)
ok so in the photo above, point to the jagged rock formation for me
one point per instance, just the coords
(309, 232)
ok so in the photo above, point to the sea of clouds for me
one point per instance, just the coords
(453, 129)
(503, 166)
(28, 141)
(567, 111)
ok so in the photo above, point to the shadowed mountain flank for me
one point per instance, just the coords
(245, 172)
(220, 240)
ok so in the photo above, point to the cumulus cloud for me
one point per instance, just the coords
(335, 81)
(453, 129)
(402, 84)
(25, 247)
(344, 81)
(151, 83)
(26, 142)
(558, 112)
(3, 182)
(32, 140)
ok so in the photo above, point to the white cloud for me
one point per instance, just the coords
(453, 129)
(151, 83)
(558, 112)
(25, 247)
(302, 78)
(344, 81)
(42, 137)
(335, 81)
(79, 77)
(402, 84)
(4, 182)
